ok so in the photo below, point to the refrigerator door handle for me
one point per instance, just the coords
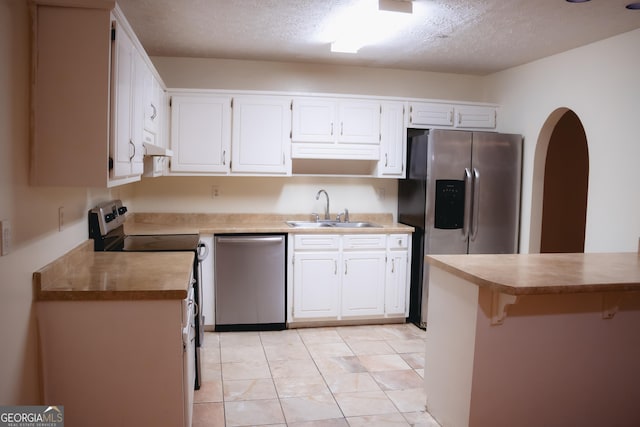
(467, 204)
(476, 203)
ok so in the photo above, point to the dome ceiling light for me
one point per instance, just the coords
(368, 22)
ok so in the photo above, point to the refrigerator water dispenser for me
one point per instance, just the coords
(449, 206)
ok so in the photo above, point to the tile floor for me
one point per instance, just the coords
(337, 376)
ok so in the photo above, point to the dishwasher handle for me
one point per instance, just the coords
(250, 240)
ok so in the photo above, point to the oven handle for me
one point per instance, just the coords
(203, 250)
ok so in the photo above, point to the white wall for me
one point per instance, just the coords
(599, 82)
(281, 195)
(32, 212)
(200, 73)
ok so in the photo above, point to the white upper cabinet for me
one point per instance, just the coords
(126, 151)
(393, 141)
(313, 120)
(200, 134)
(476, 117)
(426, 114)
(359, 122)
(331, 128)
(152, 102)
(261, 134)
(87, 96)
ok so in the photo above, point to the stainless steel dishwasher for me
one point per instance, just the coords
(249, 281)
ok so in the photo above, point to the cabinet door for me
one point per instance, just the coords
(261, 135)
(200, 134)
(122, 146)
(363, 278)
(396, 286)
(316, 285)
(476, 117)
(393, 142)
(425, 113)
(359, 122)
(313, 120)
(137, 109)
(152, 102)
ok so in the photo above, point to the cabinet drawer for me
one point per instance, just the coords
(316, 241)
(365, 241)
(398, 241)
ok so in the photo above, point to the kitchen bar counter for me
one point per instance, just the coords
(83, 274)
(530, 340)
(531, 274)
(177, 223)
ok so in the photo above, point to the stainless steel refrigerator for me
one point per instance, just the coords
(462, 195)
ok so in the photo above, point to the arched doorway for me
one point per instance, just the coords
(561, 179)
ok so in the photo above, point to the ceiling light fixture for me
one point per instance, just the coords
(395, 6)
(368, 22)
(633, 6)
(577, 1)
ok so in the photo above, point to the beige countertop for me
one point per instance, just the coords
(83, 274)
(531, 274)
(176, 223)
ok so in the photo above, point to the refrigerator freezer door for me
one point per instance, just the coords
(449, 154)
(496, 199)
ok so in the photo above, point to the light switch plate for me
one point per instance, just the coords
(5, 237)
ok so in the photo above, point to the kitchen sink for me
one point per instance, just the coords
(360, 224)
(308, 224)
(337, 224)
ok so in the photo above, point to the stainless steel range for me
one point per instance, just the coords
(106, 228)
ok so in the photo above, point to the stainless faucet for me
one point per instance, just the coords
(326, 208)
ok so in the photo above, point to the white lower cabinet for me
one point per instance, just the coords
(363, 284)
(351, 276)
(318, 284)
(396, 295)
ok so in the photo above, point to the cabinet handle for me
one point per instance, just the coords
(459, 118)
(393, 265)
(331, 128)
(224, 157)
(386, 159)
(155, 112)
(335, 267)
(450, 117)
(345, 267)
(283, 158)
(341, 128)
(134, 150)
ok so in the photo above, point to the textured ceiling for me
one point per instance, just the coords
(456, 36)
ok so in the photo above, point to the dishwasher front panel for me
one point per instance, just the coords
(250, 282)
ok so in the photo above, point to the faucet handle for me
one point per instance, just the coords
(344, 214)
(315, 217)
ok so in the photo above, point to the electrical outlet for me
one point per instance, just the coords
(61, 218)
(380, 191)
(5, 237)
(215, 191)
